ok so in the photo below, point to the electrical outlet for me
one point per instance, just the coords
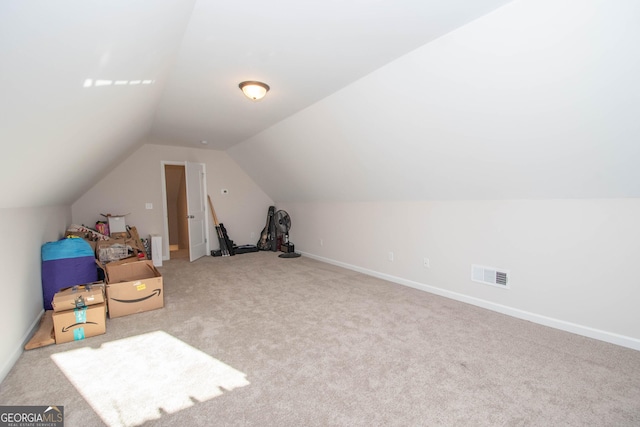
(148, 205)
(321, 242)
(390, 256)
(426, 263)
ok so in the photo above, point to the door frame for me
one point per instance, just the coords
(166, 253)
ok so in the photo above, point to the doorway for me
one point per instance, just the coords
(176, 194)
(186, 230)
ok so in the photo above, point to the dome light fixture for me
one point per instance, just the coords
(255, 91)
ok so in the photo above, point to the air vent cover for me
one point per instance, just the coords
(490, 276)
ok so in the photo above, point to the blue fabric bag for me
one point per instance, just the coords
(67, 262)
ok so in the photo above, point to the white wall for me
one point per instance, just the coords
(24, 231)
(573, 263)
(511, 142)
(137, 181)
(538, 99)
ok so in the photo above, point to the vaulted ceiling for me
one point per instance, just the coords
(370, 99)
(305, 51)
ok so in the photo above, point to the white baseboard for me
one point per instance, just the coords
(574, 328)
(8, 364)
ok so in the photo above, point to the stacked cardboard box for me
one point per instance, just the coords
(79, 312)
(133, 286)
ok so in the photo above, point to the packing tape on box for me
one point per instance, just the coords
(81, 315)
(78, 334)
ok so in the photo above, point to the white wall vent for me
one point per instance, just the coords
(490, 276)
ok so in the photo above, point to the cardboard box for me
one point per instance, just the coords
(112, 250)
(133, 286)
(78, 296)
(117, 224)
(80, 323)
(123, 246)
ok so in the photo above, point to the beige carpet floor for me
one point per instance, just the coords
(258, 340)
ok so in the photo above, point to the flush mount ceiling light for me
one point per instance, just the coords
(254, 90)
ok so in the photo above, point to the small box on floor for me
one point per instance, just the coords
(80, 323)
(133, 286)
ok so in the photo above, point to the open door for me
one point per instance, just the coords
(196, 210)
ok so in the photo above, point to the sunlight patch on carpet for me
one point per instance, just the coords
(129, 381)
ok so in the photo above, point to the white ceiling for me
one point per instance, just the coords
(538, 99)
(61, 128)
(305, 50)
(370, 99)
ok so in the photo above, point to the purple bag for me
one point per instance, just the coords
(66, 263)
